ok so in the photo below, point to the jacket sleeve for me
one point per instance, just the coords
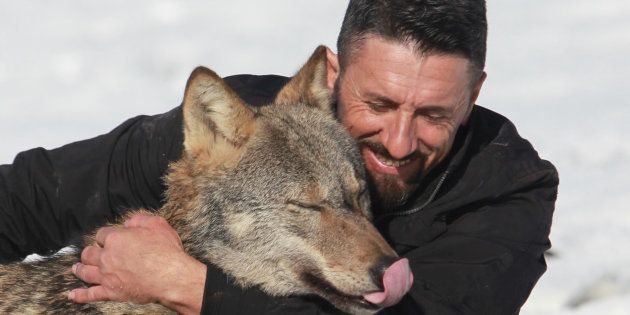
(222, 296)
(489, 259)
(48, 197)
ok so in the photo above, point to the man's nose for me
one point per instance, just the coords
(400, 136)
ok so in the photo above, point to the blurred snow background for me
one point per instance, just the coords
(70, 70)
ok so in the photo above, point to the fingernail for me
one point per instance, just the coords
(75, 267)
(71, 295)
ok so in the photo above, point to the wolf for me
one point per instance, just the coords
(275, 196)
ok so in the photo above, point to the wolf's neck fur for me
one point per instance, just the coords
(183, 208)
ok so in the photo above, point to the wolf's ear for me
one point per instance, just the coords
(214, 115)
(309, 84)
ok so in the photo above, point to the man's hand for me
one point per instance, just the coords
(143, 261)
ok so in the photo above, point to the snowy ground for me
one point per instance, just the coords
(70, 70)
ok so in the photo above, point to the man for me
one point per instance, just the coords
(456, 190)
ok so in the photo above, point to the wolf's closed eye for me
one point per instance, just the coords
(305, 205)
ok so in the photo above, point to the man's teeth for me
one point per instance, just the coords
(393, 163)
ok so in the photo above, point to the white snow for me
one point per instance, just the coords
(71, 70)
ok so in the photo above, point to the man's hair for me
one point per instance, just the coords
(430, 26)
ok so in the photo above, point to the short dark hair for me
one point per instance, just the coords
(442, 26)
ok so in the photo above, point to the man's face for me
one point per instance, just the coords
(404, 108)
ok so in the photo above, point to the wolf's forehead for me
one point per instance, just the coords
(314, 135)
(304, 141)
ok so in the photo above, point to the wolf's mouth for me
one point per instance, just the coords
(335, 296)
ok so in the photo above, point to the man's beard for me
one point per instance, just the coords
(388, 192)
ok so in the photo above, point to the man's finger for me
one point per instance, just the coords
(88, 295)
(91, 255)
(89, 274)
(144, 220)
(137, 220)
(103, 233)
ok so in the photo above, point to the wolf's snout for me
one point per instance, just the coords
(396, 282)
(377, 272)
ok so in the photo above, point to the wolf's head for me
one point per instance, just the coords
(276, 196)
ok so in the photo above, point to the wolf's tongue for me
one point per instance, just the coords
(397, 282)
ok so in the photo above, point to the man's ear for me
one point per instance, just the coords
(310, 85)
(474, 95)
(215, 118)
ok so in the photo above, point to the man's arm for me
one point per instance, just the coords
(486, 263)
(49, 197)
(489, 259)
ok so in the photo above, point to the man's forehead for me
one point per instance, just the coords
(390, 72)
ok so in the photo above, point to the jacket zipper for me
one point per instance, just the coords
(416, 209)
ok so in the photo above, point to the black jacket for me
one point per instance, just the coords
(475, 233)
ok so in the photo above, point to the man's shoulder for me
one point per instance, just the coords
(497, 145)
(495, 164)
(256, 90)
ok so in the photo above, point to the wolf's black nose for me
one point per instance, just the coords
(378, 270)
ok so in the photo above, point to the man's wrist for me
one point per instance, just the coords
(186, 294)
